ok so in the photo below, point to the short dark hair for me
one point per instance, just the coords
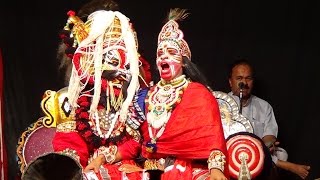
(240, 61)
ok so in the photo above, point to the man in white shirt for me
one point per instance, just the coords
(261, 115)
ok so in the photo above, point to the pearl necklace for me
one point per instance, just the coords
(105, 121)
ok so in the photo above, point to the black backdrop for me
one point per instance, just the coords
(281, 38)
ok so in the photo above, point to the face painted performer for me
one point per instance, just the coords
(101, 130)
(68, 46)
(102, 86)
(183, 134)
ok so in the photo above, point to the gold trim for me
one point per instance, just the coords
(154, 164)
(216, 160)
(23, 139)
(69, 126)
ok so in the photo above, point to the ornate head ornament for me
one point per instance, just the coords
(107, 37)
(171, 32)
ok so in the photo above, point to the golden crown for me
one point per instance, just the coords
(80, 30)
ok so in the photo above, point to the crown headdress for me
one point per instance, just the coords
(102, 30)
(171, 32)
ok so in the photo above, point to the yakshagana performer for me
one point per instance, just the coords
(183, 134)
(103, 89)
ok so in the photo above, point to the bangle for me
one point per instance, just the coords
(109, 153)
(216, 160)
(134, 133)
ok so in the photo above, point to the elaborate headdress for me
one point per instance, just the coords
(103, 31)
(171, 32)
(76, 30)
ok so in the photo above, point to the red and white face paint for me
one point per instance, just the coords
(114, 59)
(169, 60)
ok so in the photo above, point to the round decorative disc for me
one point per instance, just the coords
(243, 147)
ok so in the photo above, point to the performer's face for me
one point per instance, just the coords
(241, 73)
(114, 65)
(114, 59)
(169, 60)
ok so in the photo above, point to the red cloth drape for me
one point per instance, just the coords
(3, 153)
(192, 132)
(194, 128)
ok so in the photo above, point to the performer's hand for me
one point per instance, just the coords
(216, 174)
(95, 164)
(272, 147)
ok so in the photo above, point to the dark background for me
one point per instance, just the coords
(280, 38)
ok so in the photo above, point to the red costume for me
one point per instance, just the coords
(102, 88)
(196, 117)
(97, 117)
(192, 132)
(183, 134)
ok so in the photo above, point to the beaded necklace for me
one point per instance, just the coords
(160, 102)
(107, 122)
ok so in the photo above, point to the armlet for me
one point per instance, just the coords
(216, 160)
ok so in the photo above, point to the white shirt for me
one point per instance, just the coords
(260, 114)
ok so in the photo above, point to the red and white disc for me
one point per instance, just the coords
(251, 148)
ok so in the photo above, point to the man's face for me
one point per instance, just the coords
(169, 61)
(241, 73)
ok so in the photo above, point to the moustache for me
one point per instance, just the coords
(242, 85)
